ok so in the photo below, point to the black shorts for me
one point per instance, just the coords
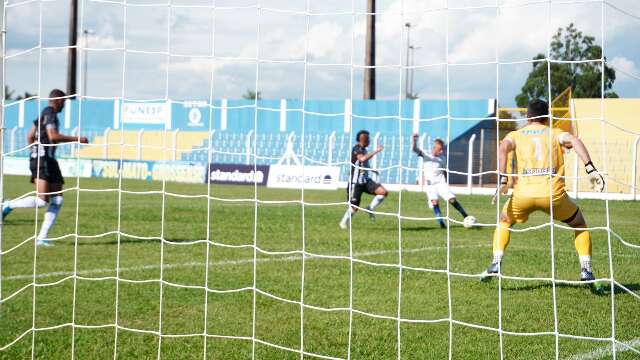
(357, 190)
(46, 169)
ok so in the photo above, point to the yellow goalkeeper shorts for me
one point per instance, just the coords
(518, 208)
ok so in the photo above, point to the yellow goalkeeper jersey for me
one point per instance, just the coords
(538, 150)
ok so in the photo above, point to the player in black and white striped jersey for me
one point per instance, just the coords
(360, 182)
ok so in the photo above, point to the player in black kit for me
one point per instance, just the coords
(43, 138)
(360, 182)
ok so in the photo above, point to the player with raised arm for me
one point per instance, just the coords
(541, 185)
(360, 182)
(45, 172)
(434, 165)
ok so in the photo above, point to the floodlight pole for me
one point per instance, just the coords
(72, 64)
(406, 70)
(369, 92)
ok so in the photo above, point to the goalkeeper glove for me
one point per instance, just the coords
(504, 184)
(595, 178)
(503, 188)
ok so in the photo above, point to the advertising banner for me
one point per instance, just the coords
(75, 167)
(16, 166)
(68, 166)
(313, 177)
(237, 174)
(184, 173)
(147, 113)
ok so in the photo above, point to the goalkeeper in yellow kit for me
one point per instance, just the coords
(540, 184)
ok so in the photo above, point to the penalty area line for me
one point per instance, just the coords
(224, 262)
(605, 351)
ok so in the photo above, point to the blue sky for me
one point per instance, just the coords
(329, 37)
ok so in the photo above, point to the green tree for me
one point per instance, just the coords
(585, 78)
(252, 95)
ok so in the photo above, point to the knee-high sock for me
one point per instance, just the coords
(27, 202)
(50, 216)
(436, 210)
(501, 238)
(377, 200)
(459, 207)
(347, 216)
(583, 247)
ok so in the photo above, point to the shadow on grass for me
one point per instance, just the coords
(422, 228)
(127, 240)
(547, 285)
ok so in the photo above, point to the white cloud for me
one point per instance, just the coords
(475, 35)
(626, 69)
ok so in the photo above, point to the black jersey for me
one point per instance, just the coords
(359, 170)
(42, 146)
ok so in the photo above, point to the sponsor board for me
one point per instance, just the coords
(313, 177)
(194, 115)
(75, 167)
(236, 174)
(147, 113)
(110, 169)
(69, 167)
(184, 173)
(147, 170)
(16, 166)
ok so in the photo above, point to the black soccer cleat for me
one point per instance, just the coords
(491, 271)
(586, 275)
(372, 215)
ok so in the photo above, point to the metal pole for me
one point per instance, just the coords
(85, 60)
(470, 163)
(406, 69)
(370, 53)
(411, 70)
(73, 43)
(481, 165)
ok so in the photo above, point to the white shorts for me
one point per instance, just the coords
(439, 190)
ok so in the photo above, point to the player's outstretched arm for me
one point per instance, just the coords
(364, 157)
(56, 137)
(595, 178)
(414, 145)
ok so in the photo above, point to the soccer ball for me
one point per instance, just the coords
(469, 222)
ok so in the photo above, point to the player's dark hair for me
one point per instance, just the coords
(439, 141)
(538, 111)
(360, 133)
(56, 93)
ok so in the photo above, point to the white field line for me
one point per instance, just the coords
(225, 262)
(605, 351)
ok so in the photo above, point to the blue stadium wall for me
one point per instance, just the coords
(388, 117)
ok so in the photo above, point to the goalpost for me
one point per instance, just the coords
(38, 277)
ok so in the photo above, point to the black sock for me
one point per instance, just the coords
(458, 207)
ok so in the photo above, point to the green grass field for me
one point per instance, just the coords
(225, 312)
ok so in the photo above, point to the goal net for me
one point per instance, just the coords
(202, 219)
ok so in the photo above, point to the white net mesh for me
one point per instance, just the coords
(169, 270)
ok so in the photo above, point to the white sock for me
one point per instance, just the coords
(497, 256)
(27, 202)
(347, 216)
(377, 200)
(585, 263)
(50, 216)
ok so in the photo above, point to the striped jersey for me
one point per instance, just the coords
(359, 170)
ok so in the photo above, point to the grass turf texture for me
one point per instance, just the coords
(527, 306)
